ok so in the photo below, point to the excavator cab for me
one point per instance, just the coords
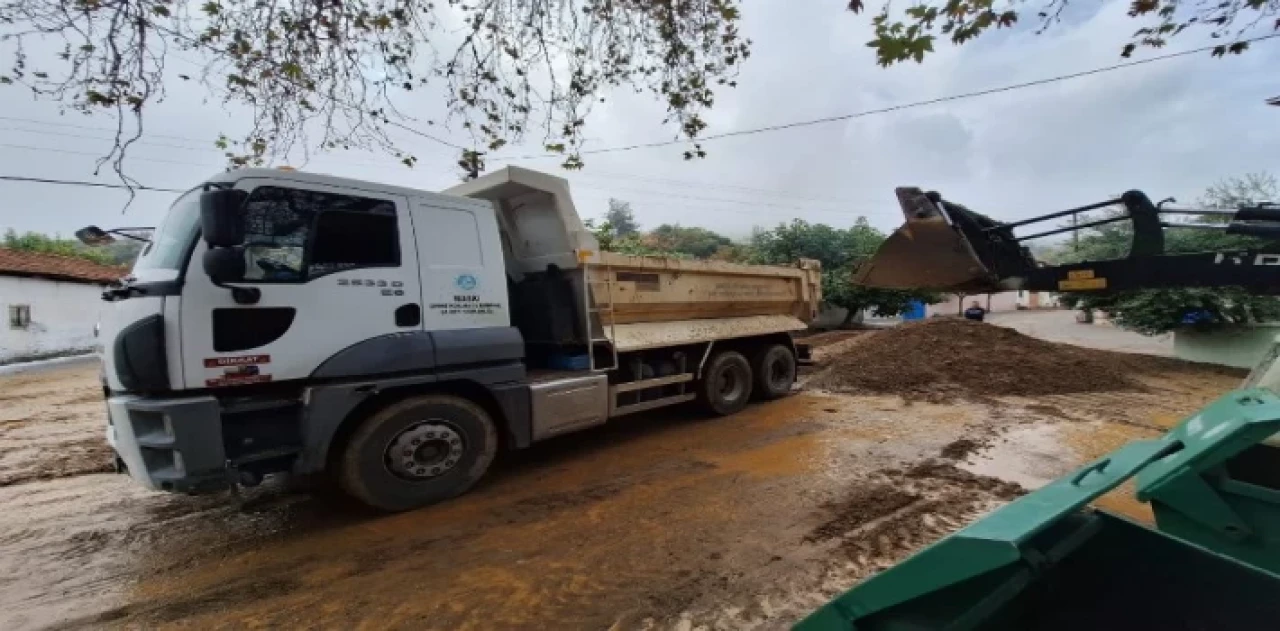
(944, 246)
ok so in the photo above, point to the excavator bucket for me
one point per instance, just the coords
(929, 251)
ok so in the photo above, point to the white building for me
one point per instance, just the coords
(997, 302)
(50, 304)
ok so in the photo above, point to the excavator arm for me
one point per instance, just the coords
(945, 246)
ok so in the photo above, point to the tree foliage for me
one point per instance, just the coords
(619, 232)
(910, 34)
(119, 253)
(1156, 311)
(326, 75)
(634, 244)
(698, 243)
(840, 251)
(621, 218)
(1250, 189)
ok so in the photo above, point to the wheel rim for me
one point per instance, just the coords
(730, 386)
(424, 450)
(780, 376)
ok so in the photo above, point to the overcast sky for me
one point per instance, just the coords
(1170, 128)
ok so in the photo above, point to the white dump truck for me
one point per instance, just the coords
(281, 321)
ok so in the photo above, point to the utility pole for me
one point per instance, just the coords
(1075, 234)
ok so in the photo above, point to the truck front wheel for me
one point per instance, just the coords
(417, 452)
(775, 370)
(726, 383)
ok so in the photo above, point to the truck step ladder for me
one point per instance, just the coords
(589, 304)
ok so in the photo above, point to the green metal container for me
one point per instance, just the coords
(1046, 561)
(1221, 490)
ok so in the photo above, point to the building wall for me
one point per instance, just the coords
(1241, 347)
(999, 302)
(1037, 300)
(1003, 301)
(62, 317)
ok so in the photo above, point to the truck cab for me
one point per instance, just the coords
(281, 321)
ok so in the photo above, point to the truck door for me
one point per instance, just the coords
(464, 281)
(336, 267)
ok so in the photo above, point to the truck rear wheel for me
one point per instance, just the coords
(726, 383)
(417, 452)
(774, 367)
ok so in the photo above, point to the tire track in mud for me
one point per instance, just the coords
(884, 518)
(903, 510)
(1156, 413)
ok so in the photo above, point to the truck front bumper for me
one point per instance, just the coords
(169, 444)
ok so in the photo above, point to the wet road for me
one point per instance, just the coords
(660, 521)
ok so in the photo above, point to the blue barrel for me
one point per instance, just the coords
(915, 311)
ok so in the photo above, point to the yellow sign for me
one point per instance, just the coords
(1082, 284)
(1080, 274)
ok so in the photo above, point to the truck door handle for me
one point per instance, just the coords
(409, 315)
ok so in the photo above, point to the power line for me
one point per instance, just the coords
(424, 134)
(38, 121)
(348, 162)
(612, 190)
(40, 180)
(99, 155)
(149, 143)
(35, 180)
(721, 200)
(892, 108)
(713, 185)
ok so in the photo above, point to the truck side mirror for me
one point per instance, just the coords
(222, 217)
(93, 235)
(224, 265)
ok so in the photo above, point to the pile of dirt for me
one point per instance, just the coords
(946, 358)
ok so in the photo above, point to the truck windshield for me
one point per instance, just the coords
(171, 242)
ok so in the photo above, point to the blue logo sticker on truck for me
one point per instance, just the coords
(466, 282)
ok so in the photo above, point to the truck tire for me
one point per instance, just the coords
(774, 367)
(726, 383)
(417, 452)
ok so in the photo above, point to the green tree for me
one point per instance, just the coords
(698, 243)
(632, 244)
(910, 34)
(839, 251)
(328, 75)
(1233, 192)
(44, 244)
(621, 218)
(1156, 311)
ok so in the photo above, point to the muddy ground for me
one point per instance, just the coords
(662, 521)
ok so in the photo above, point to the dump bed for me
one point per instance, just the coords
(660, 289)
(650, 301)
(636, 301)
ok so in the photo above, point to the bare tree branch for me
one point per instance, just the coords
(334, 68)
